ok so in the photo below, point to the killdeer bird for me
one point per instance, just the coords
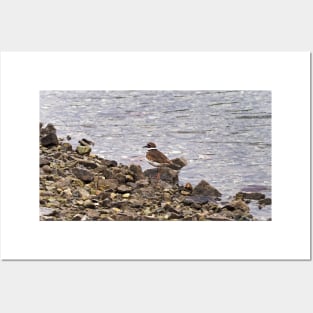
(158, 159)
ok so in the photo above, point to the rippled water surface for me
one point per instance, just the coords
(224, 135)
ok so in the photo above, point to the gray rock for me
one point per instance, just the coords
(44, 161)
(136, 171)
(88, 164)
(166, 174)
(198, 199)
(109, 163)
(250, 195)
(82, 174)
(205, 189)
(49, 140)
(266, 201)
(49, 129)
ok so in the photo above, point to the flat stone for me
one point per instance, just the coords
(82, 174)
(198, 199)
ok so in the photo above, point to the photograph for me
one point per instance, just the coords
(155, 155)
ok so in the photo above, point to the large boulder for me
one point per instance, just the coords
(205, 189)
(48, 137)
(166, 174)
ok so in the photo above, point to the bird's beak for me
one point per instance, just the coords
(145, 146)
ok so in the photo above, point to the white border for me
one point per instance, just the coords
(24, 74)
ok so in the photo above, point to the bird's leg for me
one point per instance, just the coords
(159, 174)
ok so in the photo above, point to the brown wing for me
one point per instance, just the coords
(157, 156)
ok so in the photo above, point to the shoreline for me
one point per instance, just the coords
(76, 185)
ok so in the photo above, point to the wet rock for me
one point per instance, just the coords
(86, 142)
(109, 163)
(84, 175)
(166, 174)
(83, 150)
(237, 205)
(49, 129)
(136, 171)
(205, 189)
(266, 201)
(49, 140)
(250, 195)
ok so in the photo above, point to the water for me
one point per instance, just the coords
(224, 135)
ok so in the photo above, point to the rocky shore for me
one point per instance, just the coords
(76, 185)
